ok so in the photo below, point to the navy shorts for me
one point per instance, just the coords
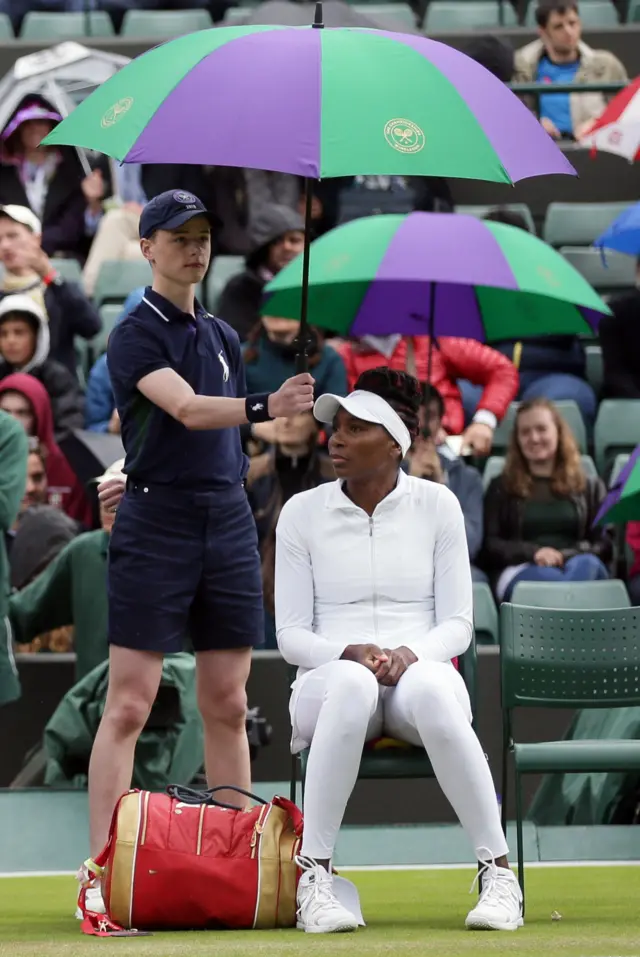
(184, 563)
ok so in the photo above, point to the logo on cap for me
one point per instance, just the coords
(116, 112)
(184, 198)
(405, 136)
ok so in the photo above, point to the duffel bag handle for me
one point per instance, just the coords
(191, 796)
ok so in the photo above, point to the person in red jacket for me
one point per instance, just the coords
(451, 359)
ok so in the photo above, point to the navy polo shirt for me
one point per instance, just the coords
(206, 353)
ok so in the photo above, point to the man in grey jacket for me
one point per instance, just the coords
(440, 464)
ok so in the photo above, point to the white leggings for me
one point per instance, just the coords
(340, 705)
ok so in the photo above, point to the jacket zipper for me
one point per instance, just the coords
(373, 576)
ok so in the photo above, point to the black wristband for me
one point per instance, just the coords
(257, 407)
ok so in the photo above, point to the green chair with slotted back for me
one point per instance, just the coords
(495, 465)
(485, 615)
(568, 409)
(585, 596)
(118, 278)
(109, 313)
(618, 464)
(6, 27)
(222, 270)
(578, 224)
(164, 24)
(553, 658)
(50, 27)
(481, 211)
(617, 430)
(595, 367)
(388, 15)
(397, 761)
(633, 11)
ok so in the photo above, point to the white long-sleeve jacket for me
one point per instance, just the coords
(399, 577)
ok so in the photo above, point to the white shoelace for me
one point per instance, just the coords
(321, 887)
(495, 882)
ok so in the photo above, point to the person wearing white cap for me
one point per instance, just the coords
(373, 600)
(29, 270)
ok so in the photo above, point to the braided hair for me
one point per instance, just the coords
(402, 391)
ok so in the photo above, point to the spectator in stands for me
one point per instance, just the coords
(494, 54)
(560, 56)
(26, 400)
(48, 180)
(539, 512)
(277, 237)
(451, 359)
(13, 471)
(24, 347)
(100, 413)
(550, 366)
(37, 490)
(437, 463)
(270, 358)
(633, 541)
(72, 590)
(290, 465)
(28, 269)
(619, 336)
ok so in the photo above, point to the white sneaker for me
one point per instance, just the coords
(93, 900)
(319, 911)
(500, 903)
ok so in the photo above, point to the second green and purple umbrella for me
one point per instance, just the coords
(438, 274)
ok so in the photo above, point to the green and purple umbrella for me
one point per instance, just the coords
(438, 274)
(621, 504)
(316, 103)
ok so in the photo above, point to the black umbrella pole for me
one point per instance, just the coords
(302, 357)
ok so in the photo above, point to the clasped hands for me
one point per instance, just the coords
(387, 664)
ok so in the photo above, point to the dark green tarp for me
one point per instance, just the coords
(170, 749)
(588, 798)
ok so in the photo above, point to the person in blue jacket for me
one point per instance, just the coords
(99, 403)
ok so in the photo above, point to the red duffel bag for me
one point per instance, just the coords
(183, 860)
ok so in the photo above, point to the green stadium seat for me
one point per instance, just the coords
(587, 596)
(485, 615)
(618, 464)
(117, 279)
(617, 430)
(236, 16)
(481, 211)
(578, 224)
(568, 409)
(69, 269)
(6, 27)
(388, 14)
(597, 14)
(70, 25)
(595, 367)
(615, 273)
(445, 15)
(222, 270)
(495, 465)
(633, 12)
(164, 24)
(109, 313)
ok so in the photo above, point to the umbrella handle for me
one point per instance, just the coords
(302, 360)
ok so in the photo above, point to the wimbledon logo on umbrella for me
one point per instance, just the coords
(116, 112)
(405, 136)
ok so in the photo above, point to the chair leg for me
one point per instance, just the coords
(520, 836)
(294, 778)
(505, 787)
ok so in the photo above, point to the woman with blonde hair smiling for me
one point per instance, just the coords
(539, 512)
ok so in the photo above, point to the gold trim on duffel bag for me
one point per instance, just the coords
(277, 877)
(123, 860)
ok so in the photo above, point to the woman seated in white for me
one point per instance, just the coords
(373, 599)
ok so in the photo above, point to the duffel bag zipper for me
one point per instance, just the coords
(258, 828)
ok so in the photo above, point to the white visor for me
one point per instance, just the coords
(366, 406)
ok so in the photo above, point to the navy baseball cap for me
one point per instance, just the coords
(169, 211)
